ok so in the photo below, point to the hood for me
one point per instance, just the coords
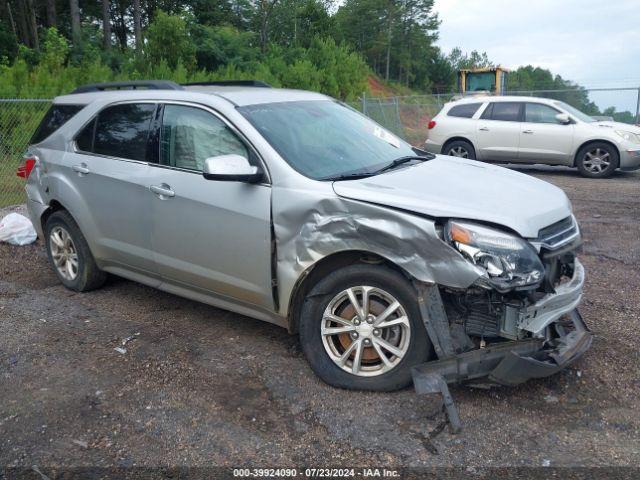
(618, 126)
(467, 189)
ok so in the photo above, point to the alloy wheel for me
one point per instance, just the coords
(596, 160)
(458, 152)
(63, 253)
(365, 331)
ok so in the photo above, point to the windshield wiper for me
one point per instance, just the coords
(394, 163)
(400, 161)
(348, 176)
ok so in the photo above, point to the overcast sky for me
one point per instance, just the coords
(593, 42)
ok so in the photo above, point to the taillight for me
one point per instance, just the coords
(431, 124)
(24, 170)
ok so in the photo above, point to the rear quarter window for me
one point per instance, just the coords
(55, 117)
(466, 110)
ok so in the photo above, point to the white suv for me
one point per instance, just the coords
(533, 130)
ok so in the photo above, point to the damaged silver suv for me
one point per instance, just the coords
(290, 207)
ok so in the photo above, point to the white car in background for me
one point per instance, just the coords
(533, 130)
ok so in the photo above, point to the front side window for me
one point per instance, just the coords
(466, 110)
(539, 113)
(323, 139)
(505, 111)
(190, 135)
(575, 112)
(122, 131)
(55, 117)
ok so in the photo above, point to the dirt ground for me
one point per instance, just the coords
(201, 386)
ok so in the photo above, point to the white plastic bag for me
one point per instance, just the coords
(17, 230)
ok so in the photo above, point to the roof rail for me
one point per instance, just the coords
(230, 83)
(130, 85)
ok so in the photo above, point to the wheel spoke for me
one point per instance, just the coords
(55, 236)
(69, 268)
(355, 368)
(388, 311)
(336, 319)
(365, 302)
(395, 321)
(354, 301)
(382, 355)
(347, 353)
(387, 346)
(337, 330)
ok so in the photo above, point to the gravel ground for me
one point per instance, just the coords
(201, 386)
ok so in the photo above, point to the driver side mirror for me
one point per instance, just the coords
(563, 118)
(231, 168)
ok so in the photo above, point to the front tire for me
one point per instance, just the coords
(69, 254)
(361, 329)
(459, 148)
(597, 160)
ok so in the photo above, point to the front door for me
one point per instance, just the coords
(212, 235)
(543, 138)
(498, 132)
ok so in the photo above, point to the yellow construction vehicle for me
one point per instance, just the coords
(491, 80)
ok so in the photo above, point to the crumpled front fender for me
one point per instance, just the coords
(310, 225)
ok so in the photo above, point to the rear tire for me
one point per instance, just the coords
(406, 336)
(597, 160)
(459, 148)
(69, 254)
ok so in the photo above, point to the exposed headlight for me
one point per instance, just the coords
(507, 260)
(629, 136)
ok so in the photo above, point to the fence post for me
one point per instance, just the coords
(638, 108)
(364, 102)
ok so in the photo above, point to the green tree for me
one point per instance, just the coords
(168, 39)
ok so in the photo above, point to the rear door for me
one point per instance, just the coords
(498, 131)
(109, 171)
(542, 138)
(211, 235)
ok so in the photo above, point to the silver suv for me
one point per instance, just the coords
(290, 207)
(533, 130)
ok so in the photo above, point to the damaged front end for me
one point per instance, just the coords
(490, 334)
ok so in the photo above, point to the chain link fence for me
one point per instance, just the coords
(18, 121)
(406, 116)
(409, 116)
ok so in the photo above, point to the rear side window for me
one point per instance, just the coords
(503, 111)
(119, 131)
(55, 117)
(466, 110)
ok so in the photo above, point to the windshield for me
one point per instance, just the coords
(323, 139)
(583, 117)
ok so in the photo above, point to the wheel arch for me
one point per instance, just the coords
(54, 206)
(594, 140)
(322, 267)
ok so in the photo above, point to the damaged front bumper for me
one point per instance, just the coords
(512, 363)
(548, 335)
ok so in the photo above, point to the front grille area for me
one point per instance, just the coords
(557, 233)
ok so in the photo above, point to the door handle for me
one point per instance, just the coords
(82, 168)
(483, 129)
(527, 131)
(163, 190)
